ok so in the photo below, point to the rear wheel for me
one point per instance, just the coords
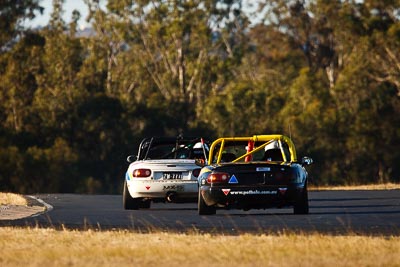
(128, 202)
(203, 208)
(301, 204)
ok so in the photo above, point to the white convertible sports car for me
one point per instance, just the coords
(164, 170)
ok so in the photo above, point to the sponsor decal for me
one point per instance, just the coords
(147, 187)
(226, 191)
(173, 187)
(127, 176)
(254, 192)
(233, 180)
(263, 169)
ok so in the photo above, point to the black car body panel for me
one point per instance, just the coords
(251, 182)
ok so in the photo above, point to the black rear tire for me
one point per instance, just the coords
(203, 208)
(128, 202)
(301, 205)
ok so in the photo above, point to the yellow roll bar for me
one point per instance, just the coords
(256, 138)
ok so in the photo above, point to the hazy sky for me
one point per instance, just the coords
(70, 5)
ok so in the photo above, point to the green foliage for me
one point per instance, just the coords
(12, 13)
(50, 169)
(18, 74)
(10, 174)
(323, 72)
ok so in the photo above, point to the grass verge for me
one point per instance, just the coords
(46, 246)
(12, 199)
(385, 186)
(41, 247)
(14, 206)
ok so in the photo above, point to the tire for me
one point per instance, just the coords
(301, 205)
(128, 202)
(203, 208)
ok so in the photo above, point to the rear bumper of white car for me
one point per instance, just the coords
(171, 190)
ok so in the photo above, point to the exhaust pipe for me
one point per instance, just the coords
(171, 197)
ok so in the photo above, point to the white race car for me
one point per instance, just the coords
(164, 170)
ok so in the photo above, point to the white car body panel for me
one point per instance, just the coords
(155, 186)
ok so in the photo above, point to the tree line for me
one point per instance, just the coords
(72, 107)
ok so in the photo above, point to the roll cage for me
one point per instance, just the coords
(173, 146)
(253, 144)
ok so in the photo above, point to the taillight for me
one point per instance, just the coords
(141, 173)
(218, 177)
(196, 172)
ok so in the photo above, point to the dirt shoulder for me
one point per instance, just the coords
(10, 209)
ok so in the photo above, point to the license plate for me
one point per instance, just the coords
(263, 169)
(172, 175)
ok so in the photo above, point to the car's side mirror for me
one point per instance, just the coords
(131, 158)
(306, 161)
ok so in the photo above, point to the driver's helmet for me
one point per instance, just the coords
(272, 152)
(198, 145)
(198, 151)
(272, 145)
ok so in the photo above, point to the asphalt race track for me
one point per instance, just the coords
(334, 212)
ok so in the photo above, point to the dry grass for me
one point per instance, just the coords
(386, 186)
(41, 247)
(12, 199)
